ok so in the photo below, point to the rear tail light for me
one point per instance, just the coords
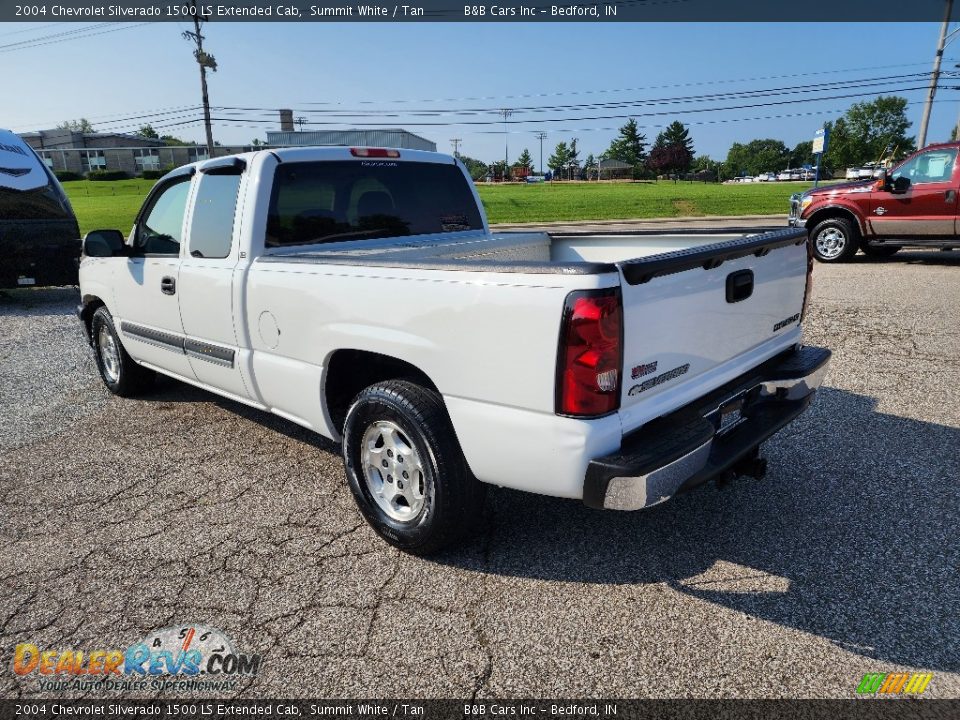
(591, 353)
(809, 285)
(374, 152)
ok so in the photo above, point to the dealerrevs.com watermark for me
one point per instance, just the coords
(192, 657)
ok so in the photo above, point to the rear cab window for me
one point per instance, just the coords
(336, 201)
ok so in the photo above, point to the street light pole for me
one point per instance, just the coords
(540, 136)
(505, 113)
(934, 76)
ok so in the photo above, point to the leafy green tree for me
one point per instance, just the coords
(672, 150)
(82, 125)
(561, 156)
(476, 168)
(499, 169)
(757, 156)
(701, 163)
(147, 131)
(802, 154)
(866, 130)
(675, 134)
(629, 146)
(574, 157)
(524, 161)
(173, 140)
(590, 165)
(672, 158)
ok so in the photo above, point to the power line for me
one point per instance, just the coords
(681, 99)
(236, 123)
(675, 111)
(698, 83)
(61, 34)
(75, 36)
(28, 30)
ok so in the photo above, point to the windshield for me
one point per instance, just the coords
(321, 202)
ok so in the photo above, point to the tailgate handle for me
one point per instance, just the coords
(739, 285)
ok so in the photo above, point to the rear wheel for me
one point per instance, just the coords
(405, 468)
(834, 240)
(119, 372)
(878, 251)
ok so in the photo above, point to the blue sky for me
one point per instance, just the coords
(313, 67)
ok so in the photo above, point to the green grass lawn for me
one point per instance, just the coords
(544, 202)
(114, 204)
(107, 204)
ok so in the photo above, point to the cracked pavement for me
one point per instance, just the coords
(120, 517)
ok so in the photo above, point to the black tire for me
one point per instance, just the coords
(835, 240)
(451, 498)
(123, 376)
(878, 252)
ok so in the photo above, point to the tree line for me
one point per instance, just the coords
(867, 132)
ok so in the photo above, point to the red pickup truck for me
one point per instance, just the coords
(913, 204)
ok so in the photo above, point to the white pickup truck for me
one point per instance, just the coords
(359, 292)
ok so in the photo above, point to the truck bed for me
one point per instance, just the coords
(638, 254)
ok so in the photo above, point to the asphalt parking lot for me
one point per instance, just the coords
(120, 517)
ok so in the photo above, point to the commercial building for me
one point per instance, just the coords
(390, 138)
(77, 152)
(393, 138)
(80, 153)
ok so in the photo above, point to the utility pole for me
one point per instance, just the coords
(956, 129)
(541, 136)
(300, 121)
(934, 76)
(456, 146)
(505, 113)
(204, 60)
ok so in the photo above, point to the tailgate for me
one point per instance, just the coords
(695, 318)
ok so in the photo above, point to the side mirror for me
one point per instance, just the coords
(883, 181)
(103, 243)
(900, 185)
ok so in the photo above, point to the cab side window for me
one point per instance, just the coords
(928, 167)
(160, 229)
(211, 228)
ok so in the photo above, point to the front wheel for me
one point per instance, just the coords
(119, 372)
(834, 240)
(878, 251)
(406, 470)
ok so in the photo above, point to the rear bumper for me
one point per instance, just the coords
(675, 453)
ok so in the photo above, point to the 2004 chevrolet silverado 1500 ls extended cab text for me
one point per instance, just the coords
(360, 293)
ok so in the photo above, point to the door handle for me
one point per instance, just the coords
(950, 196)
(739, 285)
(168, 286)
